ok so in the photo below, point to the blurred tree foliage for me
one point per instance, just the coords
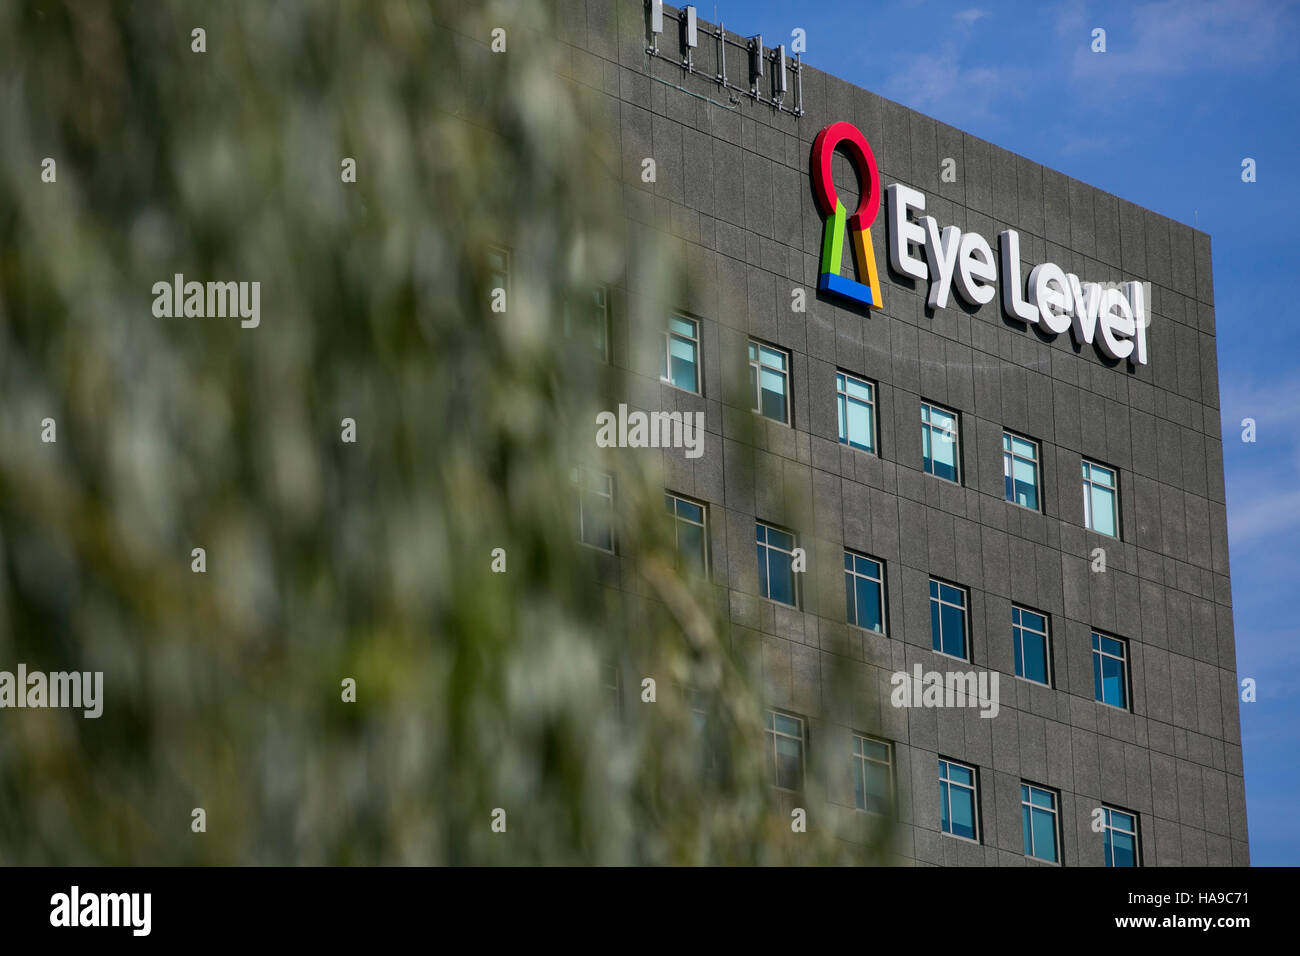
(328, 560)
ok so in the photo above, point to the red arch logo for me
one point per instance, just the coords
(837, 219)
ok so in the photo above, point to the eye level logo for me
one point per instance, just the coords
(1113, 316)
(837, 218)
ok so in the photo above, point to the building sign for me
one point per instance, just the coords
(1112, 317)
(859, 224)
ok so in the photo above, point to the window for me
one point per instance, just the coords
(498, 261)
(1110, 670)
(1121, 834)
(1100, 499)
(769, 380)
(613, 687)
(864, 591)
(939, 442)
(594, 501)
(701, 725)
(785, 739)
(873, 774)
(856, 403)
(1020, 468)
(958, 800)
(680, 365)
(586, 320)
(690, 532)
(948, 619)
(699, 708)
(775, 564)
(1029, 641)
(1038, 821)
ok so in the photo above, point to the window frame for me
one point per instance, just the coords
(1089, 518)
(767, 546)
(1108, 827)
(927, 424)
(1010, 438)
(577, 480)
(860, 761)
(1028, 806)
(1018, 629)
(853, 574)
(703, 525)
(700, 717)
(666, 370)
(967, 642)
(842, 400)
(756, 366)
(773, 734)
(1099, 653)
(974, 787)
(572, 333)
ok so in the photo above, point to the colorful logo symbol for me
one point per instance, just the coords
(859, 224)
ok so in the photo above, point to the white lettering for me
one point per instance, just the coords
(902, 231)
(1016, 307)
(941, 253)
(1117, 325)
(975, 270)
(1050, 293)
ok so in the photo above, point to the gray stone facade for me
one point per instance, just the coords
(732, 191)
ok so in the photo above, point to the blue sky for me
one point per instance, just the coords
(1184, 92)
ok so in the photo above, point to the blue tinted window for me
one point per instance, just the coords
(769, 379)
(948, 619)
(1029, 645)
(864, 592)
(1020, 470)
(775, 564)
(1120, 832)
(957, 800)
(679, 365)
(1110, 671)
(1100, 499)
(939, 442)
(856, 408)
(1038, 822)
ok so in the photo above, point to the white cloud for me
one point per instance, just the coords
(938, 83)
(1273, 405)
(1173, 37)
(1263, 516)
(1263, 496)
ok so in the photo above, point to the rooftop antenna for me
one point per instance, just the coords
(654, 14)
(689, 37)
(778, 74)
